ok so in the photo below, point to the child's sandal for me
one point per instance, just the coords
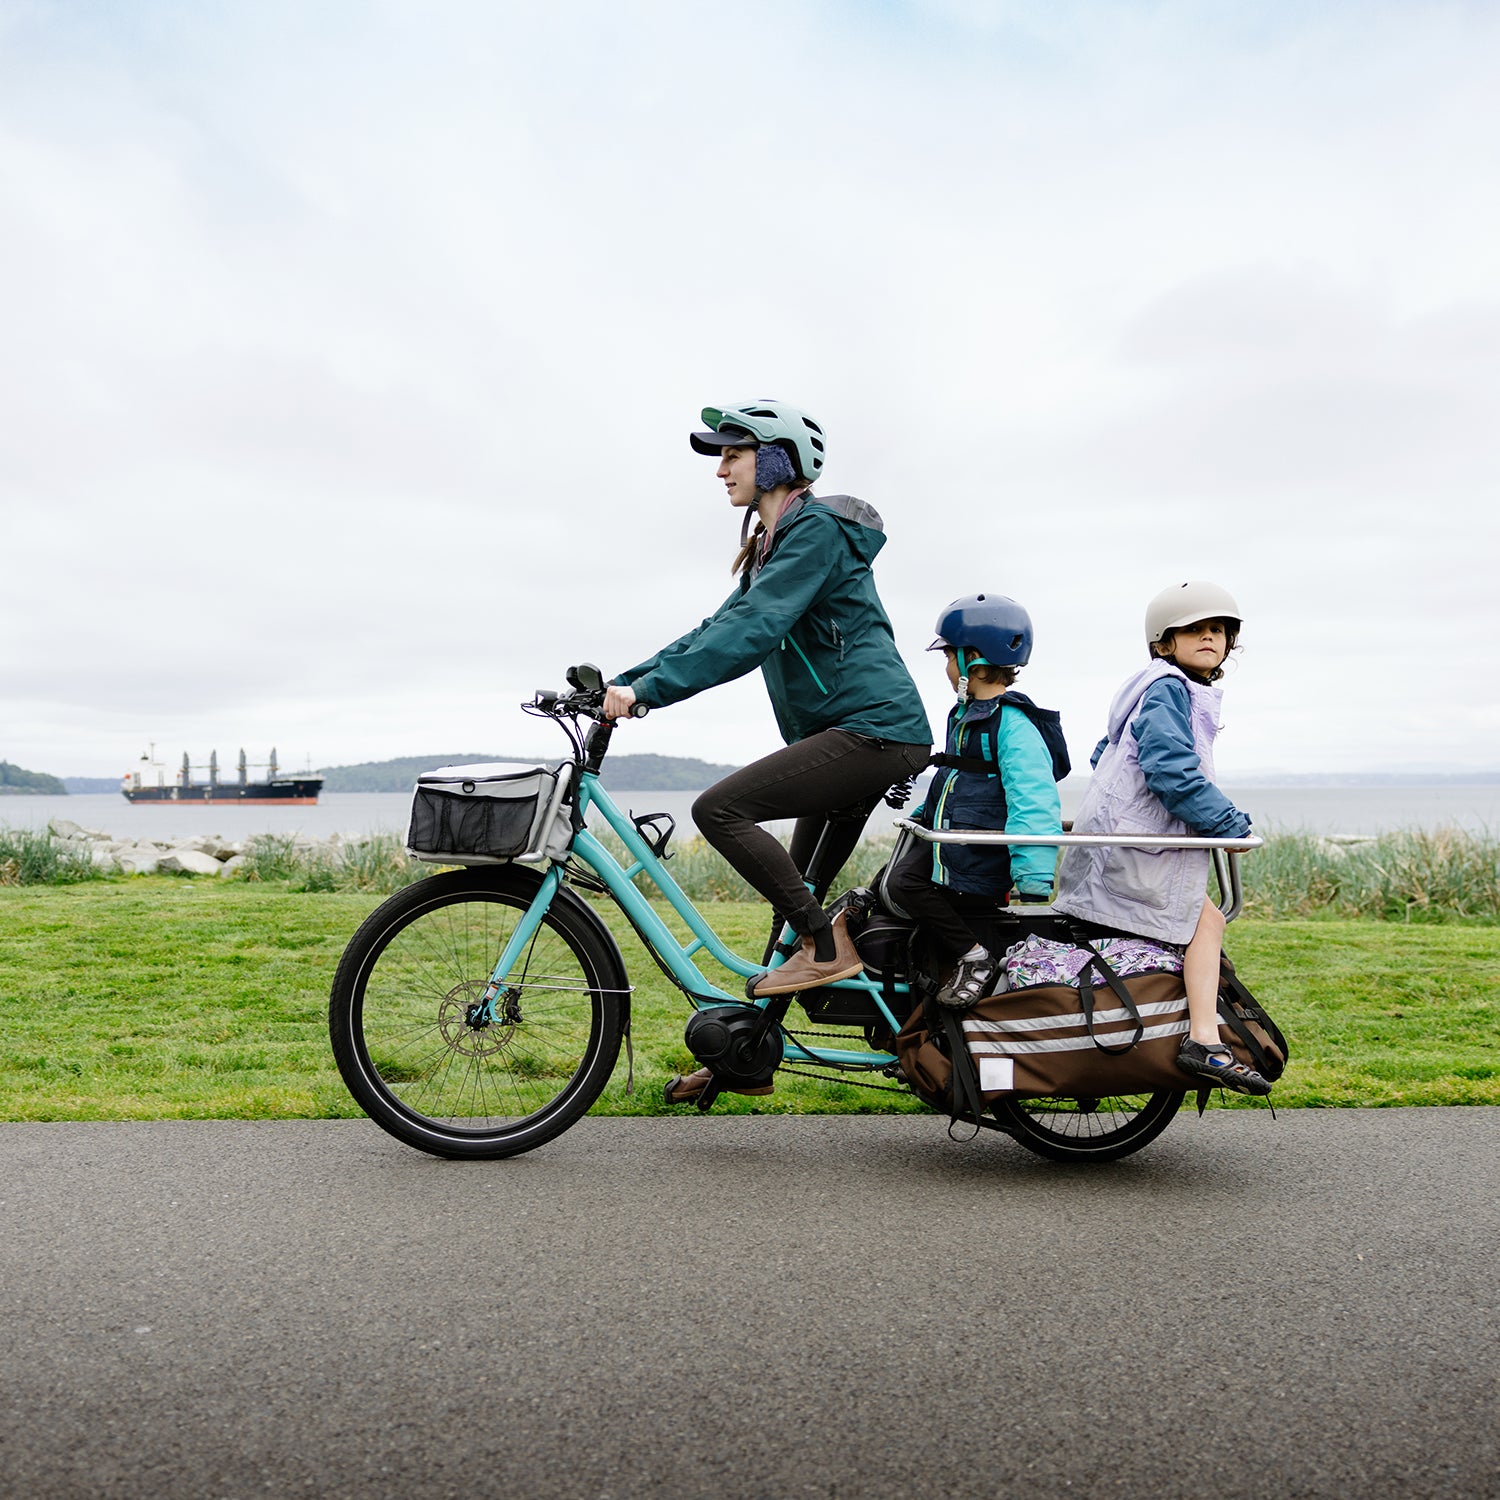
(1220, 1066)
(972, 981)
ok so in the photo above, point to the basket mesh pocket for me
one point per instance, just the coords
(491, 827)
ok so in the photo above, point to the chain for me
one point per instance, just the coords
(804, 1070)
(880, 1088)
(838, 1036)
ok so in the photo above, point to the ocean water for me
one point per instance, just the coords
(1321, 810)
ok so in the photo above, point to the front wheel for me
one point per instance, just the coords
(1088, 1129)
(429, 1061)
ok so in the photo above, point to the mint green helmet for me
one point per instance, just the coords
(766, 421)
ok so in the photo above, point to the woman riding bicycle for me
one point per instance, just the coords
(805, 611)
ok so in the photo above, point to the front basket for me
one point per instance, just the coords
(491, 814)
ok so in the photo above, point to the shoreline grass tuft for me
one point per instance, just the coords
(1416, 876)
(35, 857)
(1439, 875)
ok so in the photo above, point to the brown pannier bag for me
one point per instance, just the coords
(1116, 1037)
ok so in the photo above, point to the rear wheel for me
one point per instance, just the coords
(430, 1062)
(1088, 1129)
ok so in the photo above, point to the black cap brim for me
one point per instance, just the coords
(726, 437)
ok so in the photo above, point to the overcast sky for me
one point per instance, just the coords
(348, 353)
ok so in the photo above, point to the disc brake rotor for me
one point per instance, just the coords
(465, 1035)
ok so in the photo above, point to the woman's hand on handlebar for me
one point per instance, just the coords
(618, 701)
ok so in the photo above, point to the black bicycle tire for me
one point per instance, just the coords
(569, 921)
(1016, 1118)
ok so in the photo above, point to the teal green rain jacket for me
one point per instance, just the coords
(810, 619)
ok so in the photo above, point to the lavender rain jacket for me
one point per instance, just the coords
(1157, 893)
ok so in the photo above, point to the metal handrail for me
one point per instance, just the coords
(1225, 852)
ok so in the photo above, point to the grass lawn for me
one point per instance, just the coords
(163, 997)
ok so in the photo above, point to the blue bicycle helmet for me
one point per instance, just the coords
(985, 628)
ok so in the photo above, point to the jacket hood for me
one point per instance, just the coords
(1122, 708)
(861, 522)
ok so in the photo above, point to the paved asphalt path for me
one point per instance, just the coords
(753, 1307)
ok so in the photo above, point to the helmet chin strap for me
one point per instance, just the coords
(753, 512)
(965, 660)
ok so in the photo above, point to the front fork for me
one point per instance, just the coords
(482, 1012)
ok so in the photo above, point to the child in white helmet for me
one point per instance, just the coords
(1154, 774)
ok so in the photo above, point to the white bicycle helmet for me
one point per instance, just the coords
(1186, 604)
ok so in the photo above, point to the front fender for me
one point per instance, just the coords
(522, 880)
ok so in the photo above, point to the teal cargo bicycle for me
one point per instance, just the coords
(480, 1012)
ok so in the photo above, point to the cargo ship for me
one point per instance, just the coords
(147, 782)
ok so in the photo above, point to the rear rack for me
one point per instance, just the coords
(1225, 852)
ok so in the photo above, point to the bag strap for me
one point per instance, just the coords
(1097, 960)
(975, 763)
(1047, 724)
(1231, 1017)
(1230, 981)
(965, 1084)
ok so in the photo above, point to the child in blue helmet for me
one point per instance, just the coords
(999, 770)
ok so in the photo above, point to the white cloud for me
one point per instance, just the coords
(350, 352)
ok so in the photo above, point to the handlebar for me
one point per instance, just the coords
(585, 701)
(582, 703)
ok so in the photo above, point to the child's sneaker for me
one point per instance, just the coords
(972, 980)
(1219, 1065)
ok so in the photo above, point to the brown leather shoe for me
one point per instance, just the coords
(684, 1088)
(802, 971)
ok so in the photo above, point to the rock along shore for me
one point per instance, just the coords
(203, 854)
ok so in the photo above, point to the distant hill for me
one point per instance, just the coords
(14, 782)
(622, 773)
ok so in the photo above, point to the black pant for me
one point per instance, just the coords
(938, 908)
(814, 781)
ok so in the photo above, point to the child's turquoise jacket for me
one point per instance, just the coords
(1018, 796)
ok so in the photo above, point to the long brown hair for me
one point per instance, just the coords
(749, 544)
(752, 541)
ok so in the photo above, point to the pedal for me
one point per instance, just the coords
(705, 1100)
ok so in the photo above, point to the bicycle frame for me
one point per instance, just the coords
(679, 957)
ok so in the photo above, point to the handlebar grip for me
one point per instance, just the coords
(639, 710)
